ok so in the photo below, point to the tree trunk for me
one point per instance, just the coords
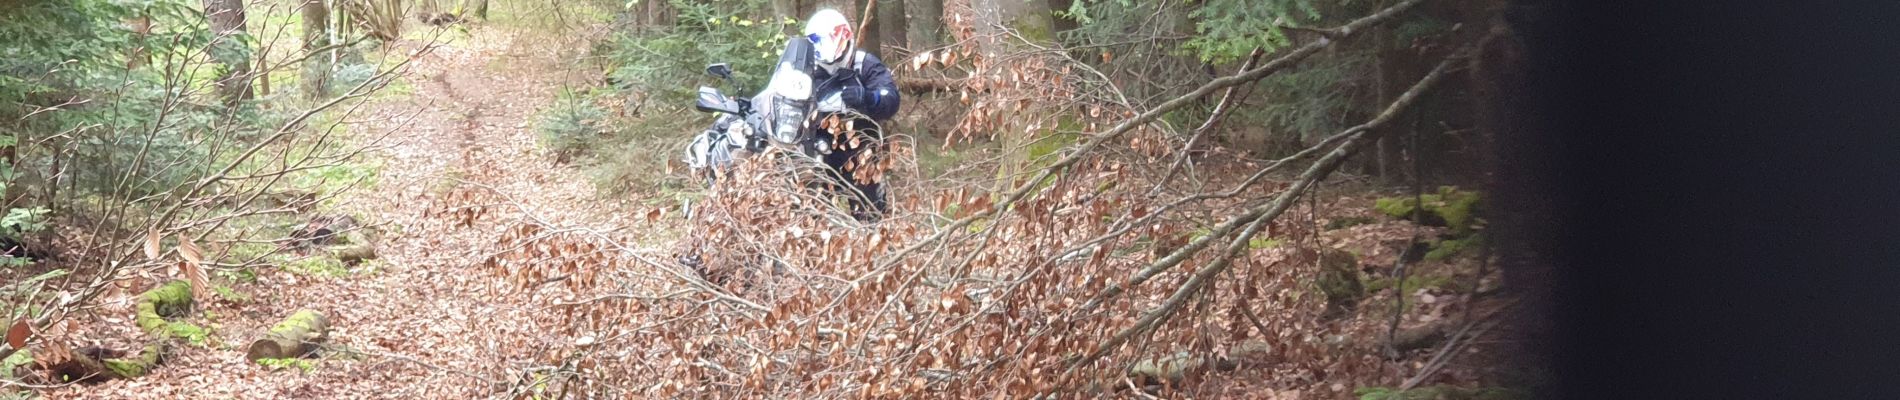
(807, 7)
(871, 39)
(316, 35)
(891, 23)
(227, 19)
(477, 9)
(787, 9)
(925, 23)
(658, 13)
(298, 336)
(1059, 24)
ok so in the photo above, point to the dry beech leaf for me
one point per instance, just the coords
(193, 267)
(151, 245)
(16, 335)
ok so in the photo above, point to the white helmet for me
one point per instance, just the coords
(831, 36)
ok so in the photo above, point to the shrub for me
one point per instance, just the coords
(572, 126)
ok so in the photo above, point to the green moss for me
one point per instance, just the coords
(194, 334)
(172, 299)
(1450, 207)
(1447, 248)
(1440, 393)
(1262, 242)
(23, 357)
(169, 300)
(136, 367)
(231, 295)
(1339, 278)
(302, 320)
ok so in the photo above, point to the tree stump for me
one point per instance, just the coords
(298, 336)
(1339, 280)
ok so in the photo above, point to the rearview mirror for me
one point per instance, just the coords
(721, 70)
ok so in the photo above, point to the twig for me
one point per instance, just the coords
(1455, 344)
(1398, 268)
(1097, 140)
(1257, 217)
(1353, 135)
(1220, 110)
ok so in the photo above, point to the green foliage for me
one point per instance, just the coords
(1222, 31)
(1230, 29)
(665, 63)
(121, 112)
(1314, 98)
(572, 126)
(275, 364)
(660, 69)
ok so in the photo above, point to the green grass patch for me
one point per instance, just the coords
(319, 266)
(279, 364)
(1414, 283)
(231, 295)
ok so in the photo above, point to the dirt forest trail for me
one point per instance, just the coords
(459, 167)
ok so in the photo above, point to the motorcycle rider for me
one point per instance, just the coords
(855, 86)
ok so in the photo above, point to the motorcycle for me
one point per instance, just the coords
(780, 116)
(775, 117)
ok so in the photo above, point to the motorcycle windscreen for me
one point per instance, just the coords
(787, 96)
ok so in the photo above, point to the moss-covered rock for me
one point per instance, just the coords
(1449, 207)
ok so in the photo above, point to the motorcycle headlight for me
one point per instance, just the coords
(788, 121)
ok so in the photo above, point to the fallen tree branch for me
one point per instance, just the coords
(1220, 110)
(1097, 140)
(1254, 218)
(1352, 136)
(1456, 343)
